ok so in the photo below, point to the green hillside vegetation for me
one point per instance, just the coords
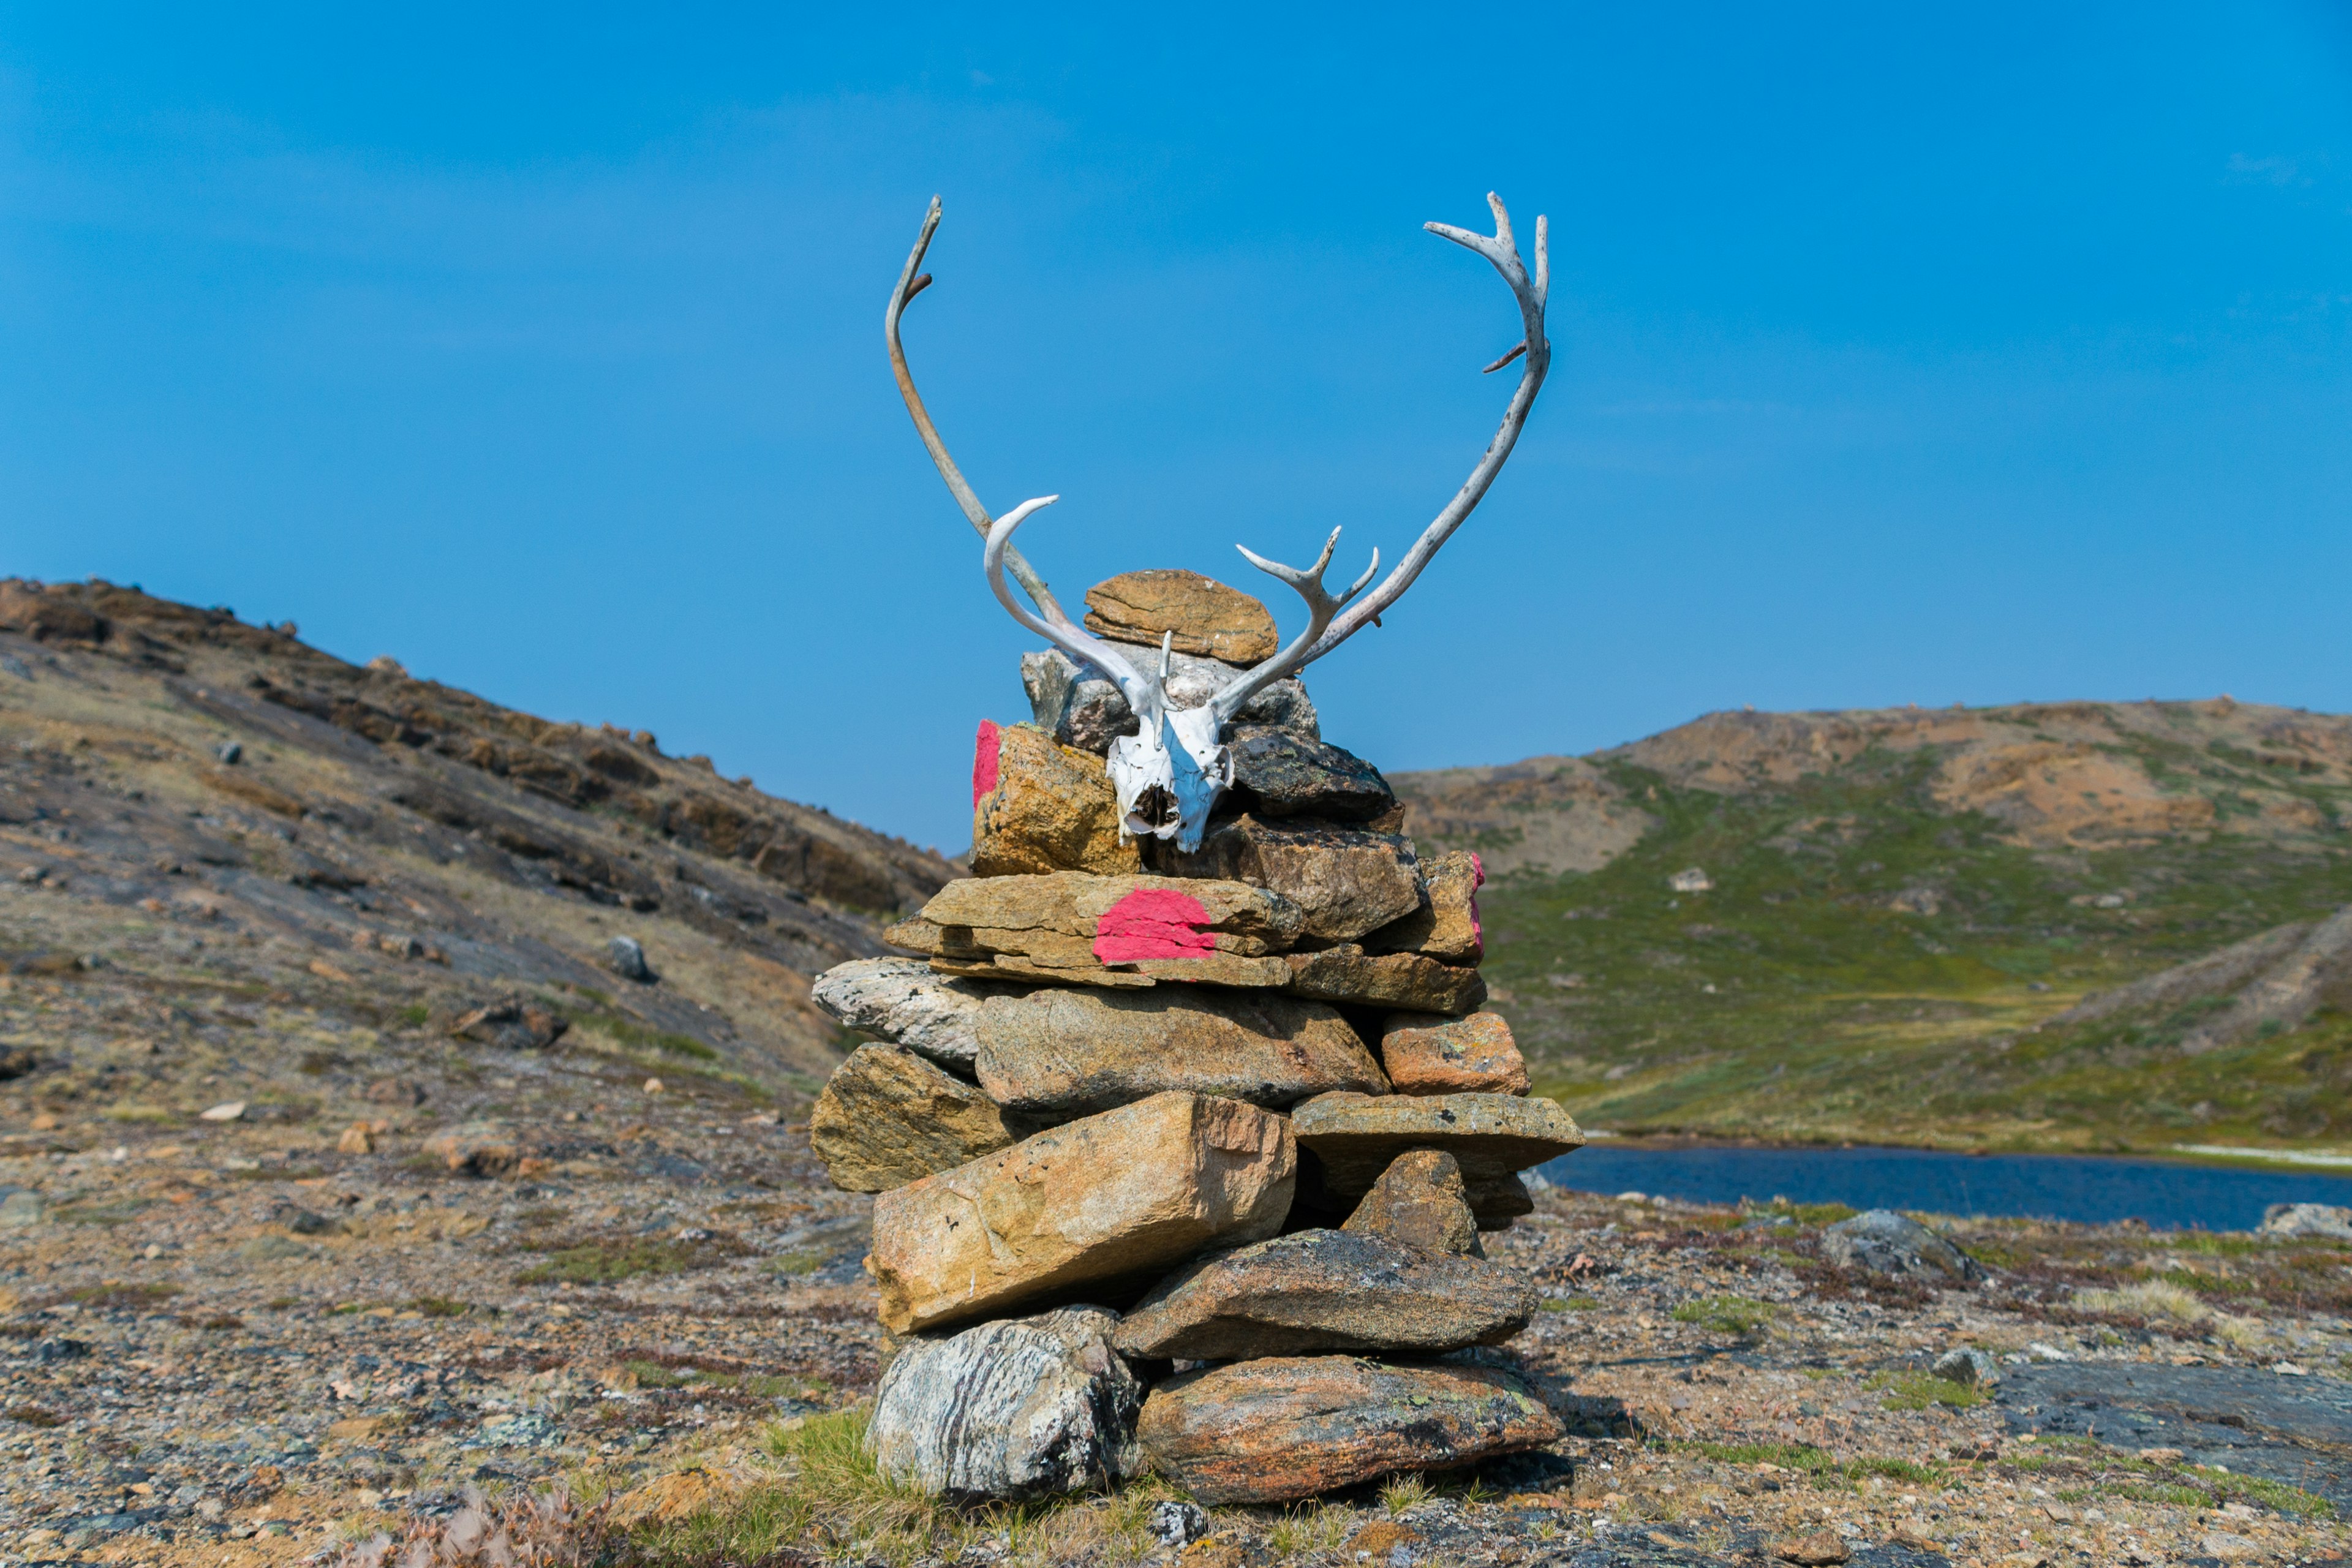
(1880, 949)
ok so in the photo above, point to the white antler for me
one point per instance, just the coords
(1330, 625)
(1048, 621)
(1320, 607)
(911, 283)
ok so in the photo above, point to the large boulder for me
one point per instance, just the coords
(1107, 1199)
(1075, 1052)
(888, 1118)
(1293, 1426)
(2331, 1220)
(1419, 1201)
(1347, 881)
(1404, 982)
(1427, 1053)
(907, 1003)
(1078, 929)
(1039, 806)
(1880, 1241)
(1082, 707)
(1444, 925)
(1327, 1290)
(1355, 1136)
(1017, 1409)
(1280, 772)
(1208, 619)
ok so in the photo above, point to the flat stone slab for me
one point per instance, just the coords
(1072, 928)
(888, 1117)
(1074, 1052)
(1403, 982)
(1327, 1290)
(2296, 1430)
(1292, 1426)
(1490, 1135)
(1428, 1053)
(1208, 619)
(1112, 1197)
(1017, 1409)
(907, 1003)
(1347, 881)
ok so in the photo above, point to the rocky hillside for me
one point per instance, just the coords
(221, 817)
(1890, 925)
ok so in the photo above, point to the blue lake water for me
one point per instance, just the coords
(2167, 1195)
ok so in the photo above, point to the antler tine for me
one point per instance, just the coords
(1502, 251)
(1320, 607)
(1054, 626)
(911, 282)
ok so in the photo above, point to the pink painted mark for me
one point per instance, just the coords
(1153, 922)
(1477, 880)
(983, 760)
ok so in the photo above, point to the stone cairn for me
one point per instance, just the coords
(1181, 1159)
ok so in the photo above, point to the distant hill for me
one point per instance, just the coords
(396, 849)
(1905, 911)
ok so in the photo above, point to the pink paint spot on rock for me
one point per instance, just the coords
(983, 760)
(1477, 880)
(1152, 923)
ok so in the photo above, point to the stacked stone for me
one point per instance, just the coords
(1181, 1157)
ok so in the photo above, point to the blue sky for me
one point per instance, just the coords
(1973, 355)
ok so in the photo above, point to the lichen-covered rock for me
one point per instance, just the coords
(1280, 772)
(1444, 924)
(1427, 1053)
(1885, 1242)
(1038, 806)
(1076, 928)
(888, 1117)
(1293, 1426)
(1347, 881)
(1355, 1136)
(1083, 708)
(1327, 1290)
(1017, 1409)
(1419, 1201)
(1497, 1201)
(1112, 1197)
(1404, 982)
(907, 1003)
(1209, 619)
(1074, 1052)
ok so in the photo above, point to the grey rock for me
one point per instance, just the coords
(510, 1023)
(627, 957)
(904, 1002)
(1073, 1052)
(1356, 1137)
(1281, 772)
(23, 1208)
(230, 754)
(1173, 1524)
(2331, 1220)
(1327, 1290)
(1348, 880)
(1019, 1408)
(1967, 1365)
(1083, 708)
(15, 1061)
(1883, 1242)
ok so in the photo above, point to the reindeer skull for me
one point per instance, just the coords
(1170, 772)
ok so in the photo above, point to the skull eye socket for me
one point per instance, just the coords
(1156, 805)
